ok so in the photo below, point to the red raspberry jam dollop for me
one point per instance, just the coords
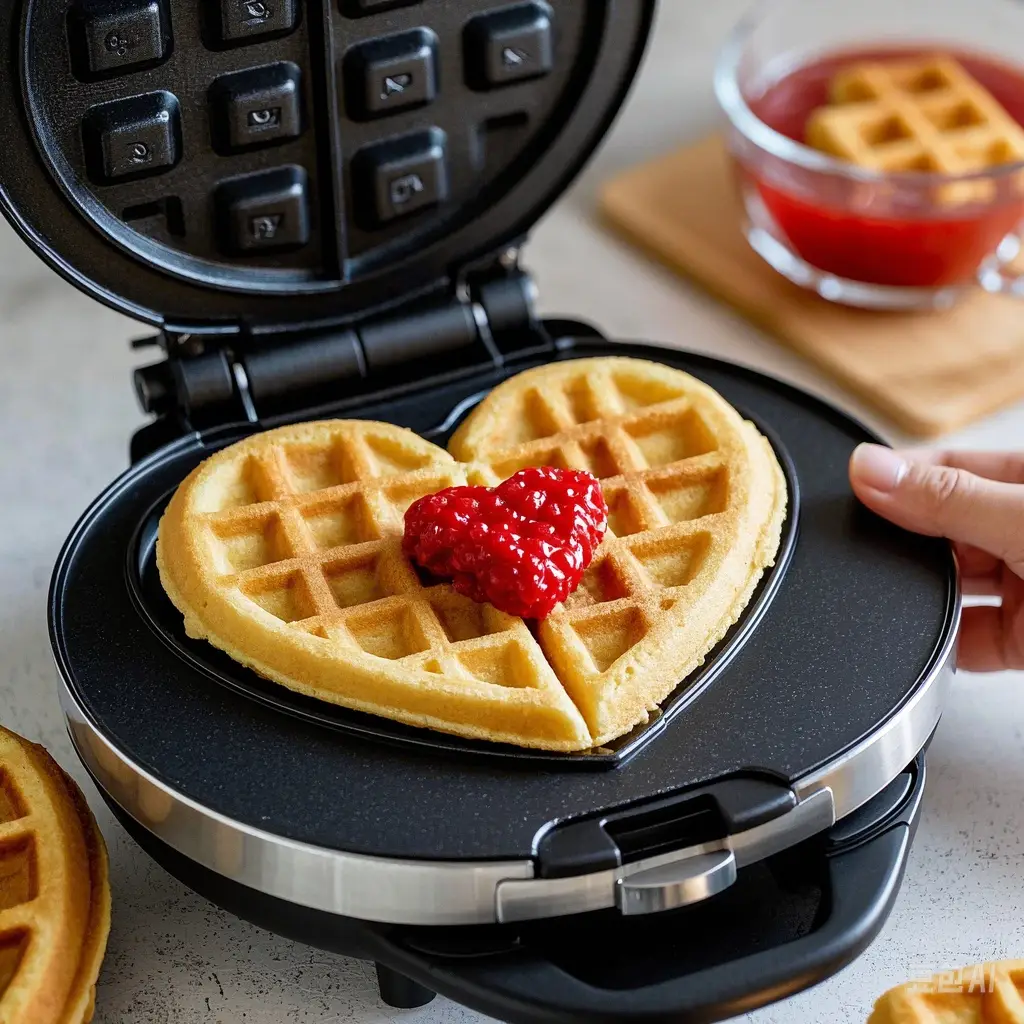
(521, 546)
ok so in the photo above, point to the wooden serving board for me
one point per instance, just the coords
(929, 373)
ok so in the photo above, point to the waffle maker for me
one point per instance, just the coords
(320, 207)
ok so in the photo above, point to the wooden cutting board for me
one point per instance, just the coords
(930, 373)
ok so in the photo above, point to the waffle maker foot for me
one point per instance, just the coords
(401, 992)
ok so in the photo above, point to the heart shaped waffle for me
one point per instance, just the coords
(284, 550)
(54, 892)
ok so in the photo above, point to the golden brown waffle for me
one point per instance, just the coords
(984, 994)
(696, 501)
(54, 891)
(285, 551)
(925, 115)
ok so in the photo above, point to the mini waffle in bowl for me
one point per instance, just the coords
(54, 891)
(284, 551)
(926, 114)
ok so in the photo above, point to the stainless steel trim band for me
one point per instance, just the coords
(369, 888)
(480, 892)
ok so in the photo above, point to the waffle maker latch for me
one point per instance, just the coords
(676, 884)
(666, 854)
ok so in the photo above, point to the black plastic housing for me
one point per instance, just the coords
(786, 924)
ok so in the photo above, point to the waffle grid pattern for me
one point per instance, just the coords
(313, 536)
(664, 481)
(927, 115)
(54, 892)
(285, 551)
(18, 882)
(990, 993)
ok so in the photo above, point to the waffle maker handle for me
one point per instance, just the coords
(863, 875)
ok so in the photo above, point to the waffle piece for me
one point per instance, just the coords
(983, 994)
(927, 115)
(696, 500)
(54, 891)
(284, 550)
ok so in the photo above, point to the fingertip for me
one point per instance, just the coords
(873, 467)
(879, 478)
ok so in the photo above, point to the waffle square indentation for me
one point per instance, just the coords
(924, 80)
(18, 883)
(638, 392)
(600, 583)
(243, 544)
(241, 483)
(853, 89)
(543, 457)
(11, 805)
(608, 637)
(600, 459)
(391, 634)
(336, 524)
(584, 404)
(315, 467)
(885, 130)
(683, 498)
(664, 440)
(390, 457)
(956, 116)
(285, 597)
(998, 152)
(673, 561)
(952, 1006)
(464, 619)
(355, 583)
(12, 949)
(500, 666)
(624, 518)
(1016, 979)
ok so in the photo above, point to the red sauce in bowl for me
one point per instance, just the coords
(929, 246)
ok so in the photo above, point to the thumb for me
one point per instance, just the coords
(941, 501)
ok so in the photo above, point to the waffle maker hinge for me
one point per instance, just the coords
(208, 380)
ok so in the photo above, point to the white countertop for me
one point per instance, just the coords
(66, 413)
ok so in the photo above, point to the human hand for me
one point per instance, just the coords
(976, 500)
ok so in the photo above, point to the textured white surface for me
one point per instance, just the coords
(66, 412)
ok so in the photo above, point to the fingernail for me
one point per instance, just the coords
(878, 467)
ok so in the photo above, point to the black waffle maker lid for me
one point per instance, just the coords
(320, 205)
(250, 167)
